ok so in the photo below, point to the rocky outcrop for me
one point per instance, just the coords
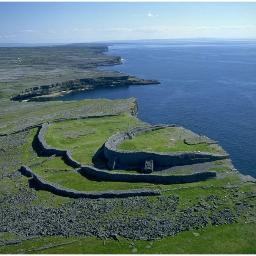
(130, 160)
(135, 218)
(47, 92)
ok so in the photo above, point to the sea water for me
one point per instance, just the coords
(208, 87)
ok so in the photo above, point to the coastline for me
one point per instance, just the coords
(221, 203)
(93, 81)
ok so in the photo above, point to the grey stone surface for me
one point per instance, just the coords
(133, 218)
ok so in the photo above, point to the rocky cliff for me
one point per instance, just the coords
(48, 92)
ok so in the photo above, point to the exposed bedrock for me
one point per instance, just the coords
(130, 160)
(46, 92)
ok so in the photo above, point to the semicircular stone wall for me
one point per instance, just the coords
(93, 173)
(137, 160)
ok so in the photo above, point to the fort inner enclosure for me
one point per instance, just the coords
(89, 176)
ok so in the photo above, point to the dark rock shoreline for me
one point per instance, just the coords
(49, 92)
(94, 79)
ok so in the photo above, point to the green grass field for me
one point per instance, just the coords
(54, 170)
(169, 139)
(84, 137)
(235, 238)
(19, 115)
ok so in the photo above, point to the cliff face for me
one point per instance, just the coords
(44, 73)
(46, 92)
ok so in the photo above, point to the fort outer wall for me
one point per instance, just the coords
(42, 148)
(104, 175)
(130, 160)
(39, 184)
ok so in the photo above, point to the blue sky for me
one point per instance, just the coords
(86, 22)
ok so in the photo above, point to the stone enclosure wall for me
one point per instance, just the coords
(130, 160)
(37, 182)
(104, 175)
(99, 174)
(43, 149)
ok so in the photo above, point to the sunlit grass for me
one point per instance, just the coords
(234, 238)
(169, 139)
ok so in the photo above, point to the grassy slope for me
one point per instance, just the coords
(53, 169)
(85, 137)
(19, 115)
(235, 238)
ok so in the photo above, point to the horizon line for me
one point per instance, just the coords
(132, 40)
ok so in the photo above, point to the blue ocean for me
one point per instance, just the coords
(208, 87)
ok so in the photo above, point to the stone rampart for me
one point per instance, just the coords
(99, 174)
(104, 175)
(40, 184)
(69, 160)
(45, 150)
(130, 160)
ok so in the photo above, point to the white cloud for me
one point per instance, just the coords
(28, 31)
(7, 36)
(82, 29)
(166, 32)
(151, 15)
(87, 33)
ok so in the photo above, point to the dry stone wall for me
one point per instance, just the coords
(104, 175)
(130, 160)
(93, 173)
(99, 174)
(46, 150)
(41, 184)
